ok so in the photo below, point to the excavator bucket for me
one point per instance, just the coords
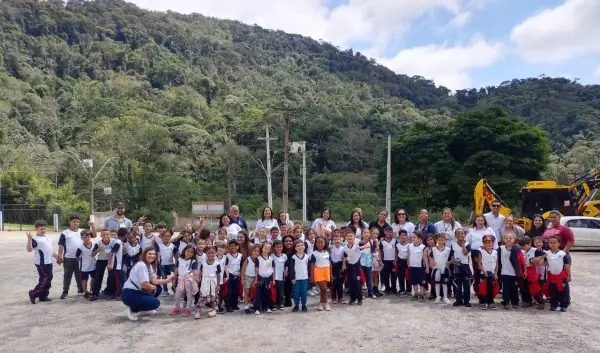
(484, 195)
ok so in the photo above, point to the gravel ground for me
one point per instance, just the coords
(388, 324)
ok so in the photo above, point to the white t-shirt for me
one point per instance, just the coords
(489, 261)
(328, 224)
(146, 242)
(300, 266)
(267, 224)
(352, 253)
(165, 253)
(87, 262)
(441, 257)
(139, 274)
(233, 231)
(265, 266)
(475, 237)
(443, 227)
(337, 254)
(42, 245)
(496, 223)
(409, 227)
(415, 255)
(458, 253)
(389, 249)
(556, 261)
(186, 266)
(233, 263)
(507, 268)
(279, 266)
(251, 267)
(402, 250)
(321, 259)
(71, 241)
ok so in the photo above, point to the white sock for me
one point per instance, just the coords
(437, 290)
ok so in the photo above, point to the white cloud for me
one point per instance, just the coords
(448, 65)
(460, 20)
(564, 32)
(374, 23)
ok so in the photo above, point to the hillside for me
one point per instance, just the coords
(182, 99)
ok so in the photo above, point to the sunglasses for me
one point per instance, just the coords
(495, 205)
(401, 213)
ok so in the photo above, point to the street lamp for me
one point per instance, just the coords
(88, 165)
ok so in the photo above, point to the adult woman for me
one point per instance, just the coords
(380, 223)
(244, 243)
(538, 228)
(475, 239)
(284, 218)
(447, 225)
(142, 287)
(401, 222)
(509, 225)
(358, 223)
(232, 228)
(324, 223)
(266, 220)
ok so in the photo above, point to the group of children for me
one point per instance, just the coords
(272, 270)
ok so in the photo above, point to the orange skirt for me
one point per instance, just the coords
(322, 274)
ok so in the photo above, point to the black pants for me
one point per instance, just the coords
(354, 287)
(401, 274)
(233, 292)
(337, 290)
(42, 289)
(489, 296)
(388, 276)
(279, 286)
(561, 298)
(288, 292)
(262, 299)
(510, 290)
(114, 282)
(100, 269)
(462, 284)
(71, 267)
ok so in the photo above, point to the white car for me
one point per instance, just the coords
(585, 229)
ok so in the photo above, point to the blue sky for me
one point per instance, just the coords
(457, 43)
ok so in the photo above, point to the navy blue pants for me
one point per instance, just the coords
(561, 298)
(510, 290)
(354, 287)
(138, 300)
(232, 291)
(337, 290)
(100, 269)
(42, 289)
(262, 299)
(462, 283)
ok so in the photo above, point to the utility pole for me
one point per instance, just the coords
(295, 148)
(286, 156)
(268, 170)
(388, 180)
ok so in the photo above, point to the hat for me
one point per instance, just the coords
(120, 205)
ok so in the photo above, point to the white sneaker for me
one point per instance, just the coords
(212, 313)
(131, 315)
(446, 301)
(438, 300)
(150, 312)
(364, 287)
(374, 296)
(165, 293)
(327, 307)
(269, 311)
(321, 307)
(197, 315)
(257, 312)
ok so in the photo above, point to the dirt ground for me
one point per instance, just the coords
(388, 324)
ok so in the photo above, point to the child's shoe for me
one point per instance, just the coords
(212, 313)
(438, 300)
(327, 307)
(304, 308)
(295, 309)
(175, 312)
(186, 313)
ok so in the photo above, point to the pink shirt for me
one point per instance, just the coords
(564, 233)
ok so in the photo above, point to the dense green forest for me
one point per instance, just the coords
(176, 103)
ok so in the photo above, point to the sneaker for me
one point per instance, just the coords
(437, 300)
(63, 295)
(457, 303)
(295, 309)
(515, 307)
(186, 313)
(446, 301)
(92, 298)
(351, 302)
(80, 291)
(282, 307)
(175, 312)
(87, 295)
(563, 310)
(151, 312)
(131, 315)
(45, 300)
(506, 307)
(321, 307)
(196, 314)
(492, 306)
(304, 308)
(31, 298)
(467, 305)
(483, 306)
(421, 298)
(221, 310)
(236, 308)
(247, 311)
(269, 311)
(229, 310)
(359, 303)
(165, 293)
(364, 287)
(257, 312)
(527, 305)
(373, 296)
(553, 308)
(212, 313)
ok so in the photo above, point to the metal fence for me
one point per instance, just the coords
(22, 216)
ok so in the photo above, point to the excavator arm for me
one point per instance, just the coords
(484, 195)
(584, 189)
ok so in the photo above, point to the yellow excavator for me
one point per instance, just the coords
(541, 197)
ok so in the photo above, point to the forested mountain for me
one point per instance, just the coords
(181, 100)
